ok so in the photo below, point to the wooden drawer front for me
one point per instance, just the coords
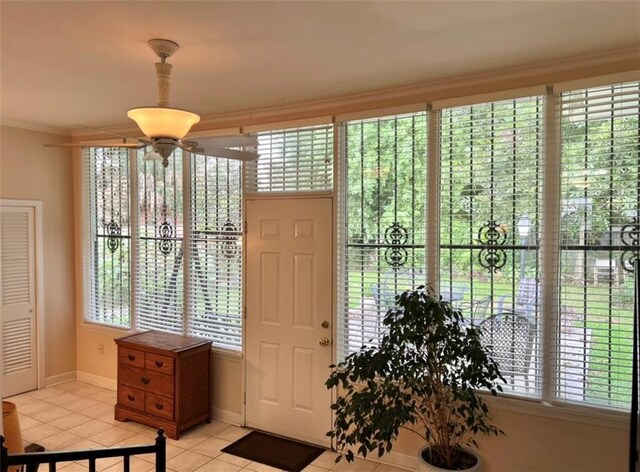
(130, 357)
(145, 380)
(156, 363)
(131, 397)
(159, 406)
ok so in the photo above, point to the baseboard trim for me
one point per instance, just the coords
(399, 460)
(60, 378)
(98, 380)
(227, 416)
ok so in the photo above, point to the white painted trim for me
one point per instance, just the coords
(227, 354)
(278, 125)
(489, 97)
(98, 380)
(35, 127)
(107, 330)
(227, 416)
(39, 277)
(560, 412)
(432, 203)
(608, 79)
(382, 112)
(60, 378)
(292, 195)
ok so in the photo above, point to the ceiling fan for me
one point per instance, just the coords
(165, 127)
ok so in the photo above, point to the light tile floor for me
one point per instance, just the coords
(76, 415)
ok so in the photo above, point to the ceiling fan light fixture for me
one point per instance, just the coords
(163, 122)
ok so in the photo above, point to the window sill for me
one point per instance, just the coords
(564, 412)
(227, 354)
(107, 330)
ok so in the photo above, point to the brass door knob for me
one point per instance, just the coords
(324, 342)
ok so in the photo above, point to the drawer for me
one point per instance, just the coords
(156, 363)
(145, 380)
(131, 397)
(157, 405)
(130, 357)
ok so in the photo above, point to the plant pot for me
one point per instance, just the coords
(424, 466)
(12, 433)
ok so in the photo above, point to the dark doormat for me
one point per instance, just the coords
(281, 453)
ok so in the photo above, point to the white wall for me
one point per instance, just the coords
(29, 171)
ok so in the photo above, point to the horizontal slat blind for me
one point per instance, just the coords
(491, 158)
(107, 236)
(17, 257)
(160, 259)
(293, 160)
(381, 222)
(599, 236)
(215, 272)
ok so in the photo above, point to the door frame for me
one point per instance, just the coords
(287, 196)
(39, 278)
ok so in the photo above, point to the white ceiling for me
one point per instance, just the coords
(66, 64)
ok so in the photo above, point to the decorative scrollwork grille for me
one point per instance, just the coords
(630, 237)
(493, 257)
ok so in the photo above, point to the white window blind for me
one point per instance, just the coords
(107, 236)
(599, 236)
(293, 160)
(159, 289)
(381, 222)
(491, 178)
(215, 272)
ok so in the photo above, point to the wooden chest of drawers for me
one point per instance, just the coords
(163, 381)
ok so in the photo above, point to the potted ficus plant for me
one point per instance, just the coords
(423, 376)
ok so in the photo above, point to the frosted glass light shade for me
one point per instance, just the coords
(161, 122)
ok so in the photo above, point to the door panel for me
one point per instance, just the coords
(289, 296)
(19, 370)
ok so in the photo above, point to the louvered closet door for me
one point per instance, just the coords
(19, 367)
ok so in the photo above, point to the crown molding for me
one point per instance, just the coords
(542, 73)
(35, 127)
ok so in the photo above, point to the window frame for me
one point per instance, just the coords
(87, 192)
(548, 403)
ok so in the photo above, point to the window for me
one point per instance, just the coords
(186, 251)
(382, 238)
(494, 209)
(107, 229)
(293, 160)
(215, 248)
(490, 189)
(160, 245)
(599, 238)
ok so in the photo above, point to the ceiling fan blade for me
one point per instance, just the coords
(228, 141)
(225, 153)
(100, 145)
(118, 135)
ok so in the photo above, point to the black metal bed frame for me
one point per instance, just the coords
(91, 455)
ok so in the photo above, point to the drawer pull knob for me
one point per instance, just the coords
(131, 397)
(131, 357)
(145, 380)
(159, 364)
(159, 406)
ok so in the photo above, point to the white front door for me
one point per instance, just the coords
(19, 349)
(288, 325)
